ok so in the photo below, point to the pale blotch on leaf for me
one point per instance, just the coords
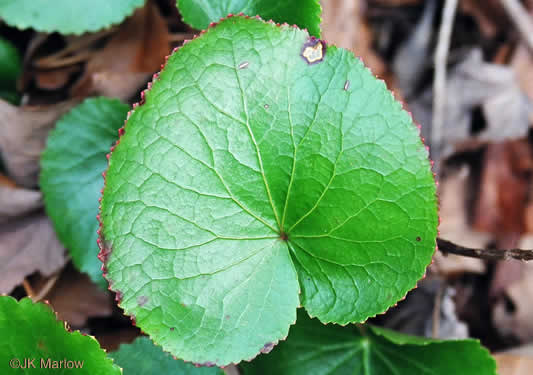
(314, 50)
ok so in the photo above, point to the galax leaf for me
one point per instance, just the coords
(142, 357)
(263, 164)
(71, 176)
(66, 16)
(304, 13)
(34, 341)
(315, 349)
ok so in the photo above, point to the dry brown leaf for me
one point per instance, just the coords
(55, 79)
(23, 132)
(516, 361)
(522, 64)
(16, 202)
(510, 364)
(135, 52)
(75, 299)
(489, 14)
(344, 26)
(513, 311)
(454, 226)
(414, 315)
(504, 189)
(477, 84)
(28, 245)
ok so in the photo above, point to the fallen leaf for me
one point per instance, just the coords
(489, 14)
(504, 189)
(516, 361)
(414, 315)
(28, 245)
(345, 26)
(473, 84)
(454, 225)
(132, 55)
(55, 79)
(75, 299)
(513, 311)
(16, 202)
(413, 56)
(522, 64)
(509, 364)
(23, 132)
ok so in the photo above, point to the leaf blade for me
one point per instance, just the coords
(71, 181)
(32, 331)
(304, 13)
(65, 16)
(203, 179)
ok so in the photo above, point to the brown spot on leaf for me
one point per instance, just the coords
(418, 239)
(314, 50)
(141, 300)
(267, 348)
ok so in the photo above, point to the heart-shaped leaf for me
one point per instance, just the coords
(30, 331)
(313, 348)
(142, 357)
(261, 165)
(304, 13)
(71, 176)
(66, 16)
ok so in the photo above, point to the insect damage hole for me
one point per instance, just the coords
(314, 50)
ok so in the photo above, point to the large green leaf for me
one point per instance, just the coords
(316, 349)
(249, 175)
(304, 13)
(10, 64)
(71, 176)
(66, 16)
(31, 331)
(142, 357)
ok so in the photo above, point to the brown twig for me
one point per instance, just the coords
(439, 83)
(521, 19)
(447, 247)
(27, 288)
(47, 287)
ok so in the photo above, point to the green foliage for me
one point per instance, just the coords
(66, 16)
(316, 349)
(10, 68)
(31, 330)
(304, 13)
(250, 175)
(142, 357)
(10, 64)
(71, 176)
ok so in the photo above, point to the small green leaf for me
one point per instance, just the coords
(304, 13)
(31, 331)
(10, 96)
(66, 16)
(314, 348)
(142, 357)
(10, 64)
(260, 166)
(71, 176)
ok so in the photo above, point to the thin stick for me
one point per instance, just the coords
(178, 37)
(27, 287)
(447, 247)
(46, 288)
(439, 83)
(521, 19)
